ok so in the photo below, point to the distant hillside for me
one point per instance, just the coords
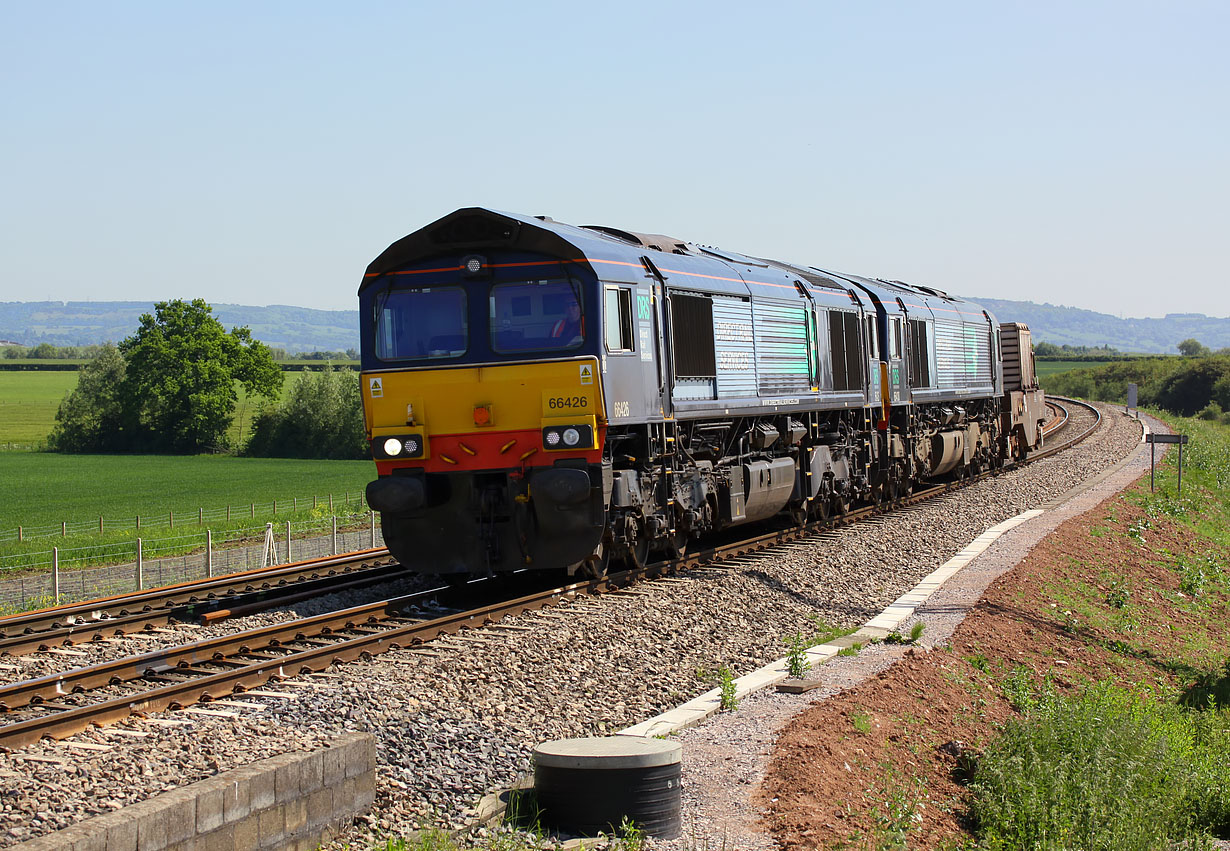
(302, 329)
(1076, 327)
(83, 323)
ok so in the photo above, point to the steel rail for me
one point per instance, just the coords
(67, 722)
(101, 630)
(1047, 452)
(197, 596)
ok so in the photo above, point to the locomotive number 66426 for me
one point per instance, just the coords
(567, 403)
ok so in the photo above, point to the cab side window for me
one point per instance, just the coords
(618, 319)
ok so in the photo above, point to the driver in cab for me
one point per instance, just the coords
(571, 326)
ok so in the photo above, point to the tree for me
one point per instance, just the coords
(321, 418)
(179, 385)
(91, 418)
(1193, 348)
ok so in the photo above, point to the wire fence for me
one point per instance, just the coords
(57, 581)
(340, 504)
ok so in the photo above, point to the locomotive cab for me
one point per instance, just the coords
(483, 400)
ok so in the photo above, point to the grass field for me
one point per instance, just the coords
(28, 403)
(29, 400)
(42, 489)
(1051, 367)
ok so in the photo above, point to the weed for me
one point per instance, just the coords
(429, 839)
(1019, 689)
(979, 663)
(916, 632)
(727, 702)
(1118, 595)
(852, 650)
(1059, 777)
(633, 837)
(796, 656)
(861, 722)
(903, 812)
(824, 632)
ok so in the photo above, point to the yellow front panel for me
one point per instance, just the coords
(519, 396)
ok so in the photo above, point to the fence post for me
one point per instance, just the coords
(288, 558)
(296, 511)
(313, 502)
(372, 520)
(200, 516)
(138, 522)
(63, 528)
(335, 534)
(20, 538)
(228, 514)
(170, 519)
(55, 573)
(269, 555)
(140, 567)
(209, 553)
(330, 503)
(275, 508)
(100, 525)
(254, 509)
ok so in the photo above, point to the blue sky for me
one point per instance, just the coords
(1074, 153)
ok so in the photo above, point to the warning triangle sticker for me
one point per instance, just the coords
(377, 388)
(587, 374)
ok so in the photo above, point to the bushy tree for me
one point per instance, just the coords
(182, 366)
(91, 418)
(1193, 348)
(1190, 390)
(321, 418)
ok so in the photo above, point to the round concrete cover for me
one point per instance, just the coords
(608, 752)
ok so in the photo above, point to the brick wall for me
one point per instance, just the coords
(292, 801)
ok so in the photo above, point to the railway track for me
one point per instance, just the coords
(204, 600)
(63, 704)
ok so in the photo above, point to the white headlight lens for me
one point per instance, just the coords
(392, 446)
(552, 438)
(571, 437)
(474, 265)
(412, 446)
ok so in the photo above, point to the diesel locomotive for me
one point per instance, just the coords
(545, 396)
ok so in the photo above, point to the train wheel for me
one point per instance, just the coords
(634, 552)
(819, 507)
(676, 545)
(798, 515)
(595, 567)
(841, 505)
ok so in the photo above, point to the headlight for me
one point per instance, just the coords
(405, 446)
(568, 437)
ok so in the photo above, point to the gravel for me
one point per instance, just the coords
(460, 717)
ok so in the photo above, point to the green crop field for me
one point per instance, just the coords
(1051, 367)
(29, 400)
(28, 403)
(42, 489)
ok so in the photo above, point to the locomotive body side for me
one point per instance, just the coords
(690, 389)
